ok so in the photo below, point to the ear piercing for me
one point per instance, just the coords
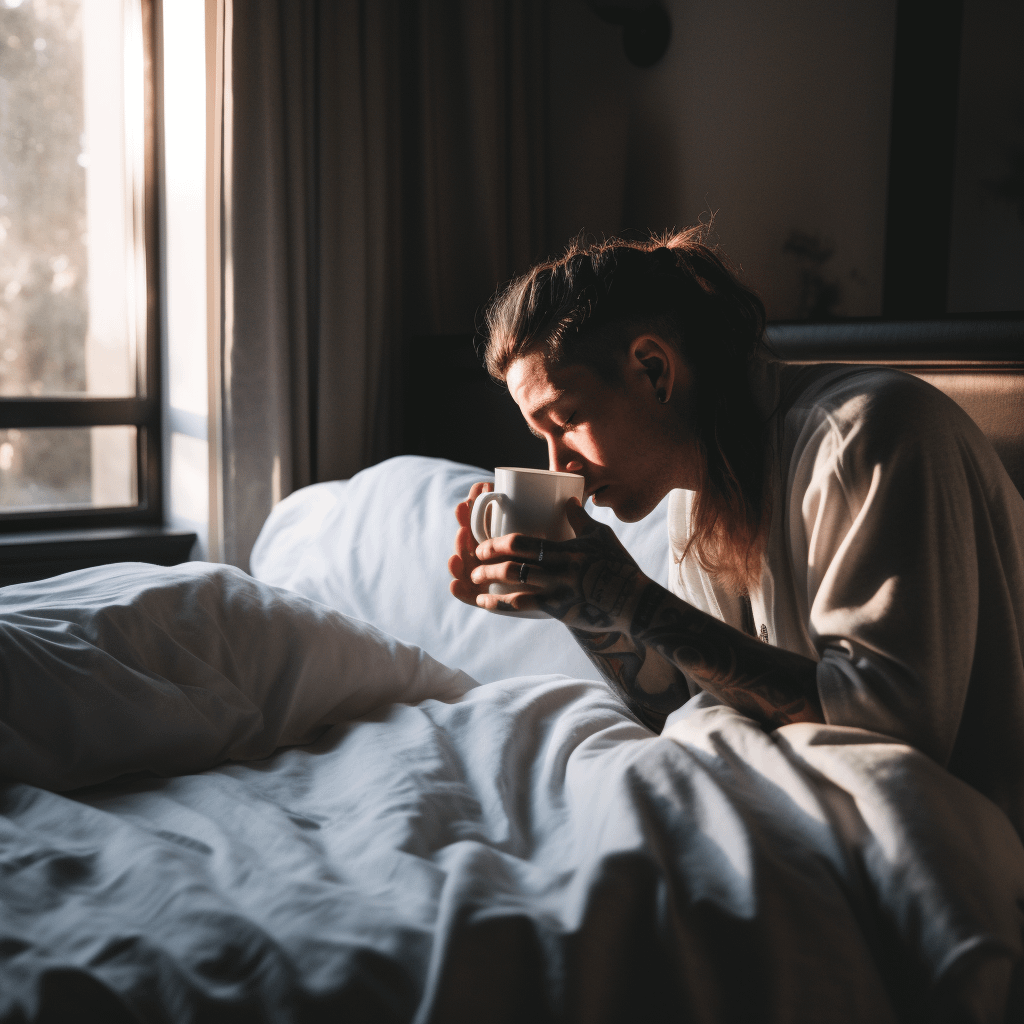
(661, 396)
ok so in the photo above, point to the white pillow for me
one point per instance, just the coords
(131, 667)
(376, 547)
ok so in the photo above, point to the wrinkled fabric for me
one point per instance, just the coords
(895, 559)
(132, 667)
(529, 853)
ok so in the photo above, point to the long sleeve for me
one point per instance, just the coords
(908, 538)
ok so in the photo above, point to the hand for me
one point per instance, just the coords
(464, 561)
(591, 583)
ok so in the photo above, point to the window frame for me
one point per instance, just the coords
(144, 413)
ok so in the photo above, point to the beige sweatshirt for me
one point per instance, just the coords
(895, 559)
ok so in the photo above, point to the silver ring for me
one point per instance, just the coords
(523, 570)
(540, 554)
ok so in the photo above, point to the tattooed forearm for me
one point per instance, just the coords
(619, 617)
(766, 683)
(652, 694)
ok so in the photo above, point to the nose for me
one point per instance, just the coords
(562, 459)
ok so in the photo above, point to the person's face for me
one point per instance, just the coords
(630, 447)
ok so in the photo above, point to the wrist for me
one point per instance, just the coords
(644, 594)
(646, 600)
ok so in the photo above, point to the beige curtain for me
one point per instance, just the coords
(383, 172)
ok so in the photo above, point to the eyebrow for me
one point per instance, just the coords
(539, 411)
(542, 409)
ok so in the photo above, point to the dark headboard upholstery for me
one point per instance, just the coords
(453, 410)
(978, 363)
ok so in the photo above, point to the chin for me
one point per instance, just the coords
(631, 508)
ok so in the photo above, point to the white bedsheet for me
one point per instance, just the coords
(525, 852)
(528, 853)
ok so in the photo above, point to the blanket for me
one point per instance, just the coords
(133, 667)
(221, 801)
(528, 853)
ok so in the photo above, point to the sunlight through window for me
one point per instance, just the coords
(73, 299)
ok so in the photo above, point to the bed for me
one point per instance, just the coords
(380, 805)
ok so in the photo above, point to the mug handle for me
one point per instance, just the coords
(478, 521)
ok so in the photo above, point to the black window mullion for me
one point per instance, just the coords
(77, 518)
(78, 412)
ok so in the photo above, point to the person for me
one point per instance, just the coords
(846, 547)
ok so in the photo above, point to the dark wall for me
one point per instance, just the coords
(773, 117)
(987, 258)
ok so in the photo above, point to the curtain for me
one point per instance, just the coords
(383, 172)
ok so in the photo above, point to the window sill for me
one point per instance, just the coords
(25, 557)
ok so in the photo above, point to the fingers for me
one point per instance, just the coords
(465, 591)
(513, 547)
(480, 597)
(464, 559)
(518, 574)
(519, 602)
(578, 519)
(461, 563)
(464, 509)
(465, 545)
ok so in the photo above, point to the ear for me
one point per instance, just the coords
(655, 358)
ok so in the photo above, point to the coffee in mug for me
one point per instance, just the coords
(527, 501)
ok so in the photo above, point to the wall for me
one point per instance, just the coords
(987, 258)
(770, 117)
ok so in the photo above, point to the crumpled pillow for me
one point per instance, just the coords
(132, 667)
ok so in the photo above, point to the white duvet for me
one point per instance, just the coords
(522, 850)
(132, 667)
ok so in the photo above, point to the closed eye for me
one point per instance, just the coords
(561, 427)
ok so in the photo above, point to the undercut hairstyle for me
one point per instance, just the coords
(587, 307)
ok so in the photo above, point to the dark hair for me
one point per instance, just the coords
(589, 305)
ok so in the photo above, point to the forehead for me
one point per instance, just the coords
(529, 381)
(534, 384)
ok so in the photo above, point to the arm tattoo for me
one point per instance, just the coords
(620, 658)
(767, 684)
(594, 608)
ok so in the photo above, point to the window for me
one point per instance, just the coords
(79, 352)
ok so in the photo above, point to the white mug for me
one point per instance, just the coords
(527, 501)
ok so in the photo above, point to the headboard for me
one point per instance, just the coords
(453, 410)
(978, 363)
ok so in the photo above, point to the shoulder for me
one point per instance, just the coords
(851, 395)
(874, 414)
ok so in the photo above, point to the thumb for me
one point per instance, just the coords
(578, 519)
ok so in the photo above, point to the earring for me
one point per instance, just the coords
(661, 396)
